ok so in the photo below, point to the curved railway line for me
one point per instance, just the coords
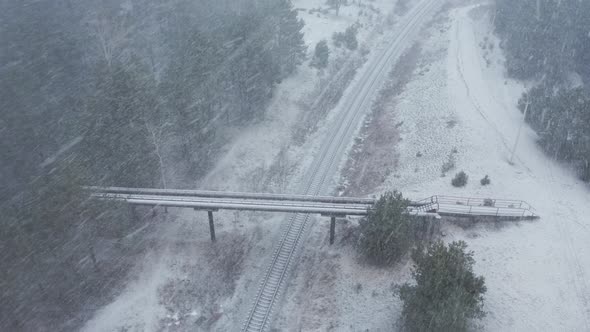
(353, 108)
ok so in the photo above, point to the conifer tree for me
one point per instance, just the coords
(447, 293)
(386, 233)
(321, 55)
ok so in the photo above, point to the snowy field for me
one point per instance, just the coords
(183, 282)
(536, 272)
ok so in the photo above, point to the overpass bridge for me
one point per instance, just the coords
(329, 206)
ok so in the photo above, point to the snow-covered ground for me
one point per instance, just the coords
(257, 147)
(181, 283)
(460, 99)
(536, 272)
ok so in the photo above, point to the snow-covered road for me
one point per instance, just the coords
(537, 273)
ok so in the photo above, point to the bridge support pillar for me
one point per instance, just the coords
(211, 226)
(332, 229)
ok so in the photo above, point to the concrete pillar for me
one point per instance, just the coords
(332, 229)
(211, 226)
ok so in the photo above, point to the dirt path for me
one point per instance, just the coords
(536, 273)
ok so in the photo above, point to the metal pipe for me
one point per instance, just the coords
(223, 194)
(250, 207)
(228, 201)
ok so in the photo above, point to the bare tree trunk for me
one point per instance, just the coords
(157, 141)
(111, 36)
(93, 258)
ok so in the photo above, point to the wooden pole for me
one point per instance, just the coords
(526, 108)
(211, 226)
(332, 229)
(93, 258)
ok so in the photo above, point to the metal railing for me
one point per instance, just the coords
(454, 205)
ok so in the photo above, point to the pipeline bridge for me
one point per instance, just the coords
(329, 206)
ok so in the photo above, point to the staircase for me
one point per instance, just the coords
(429, 207)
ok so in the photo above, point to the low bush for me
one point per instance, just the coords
(321, 55)
(460, 179)
(485, 181)
(449, 164)
(346, 38)
(447, 294)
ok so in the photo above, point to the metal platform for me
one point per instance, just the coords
(454, 206)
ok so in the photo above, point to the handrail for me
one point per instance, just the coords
(478, 201)
(479, 206)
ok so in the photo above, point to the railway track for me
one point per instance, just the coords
(314, 182)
